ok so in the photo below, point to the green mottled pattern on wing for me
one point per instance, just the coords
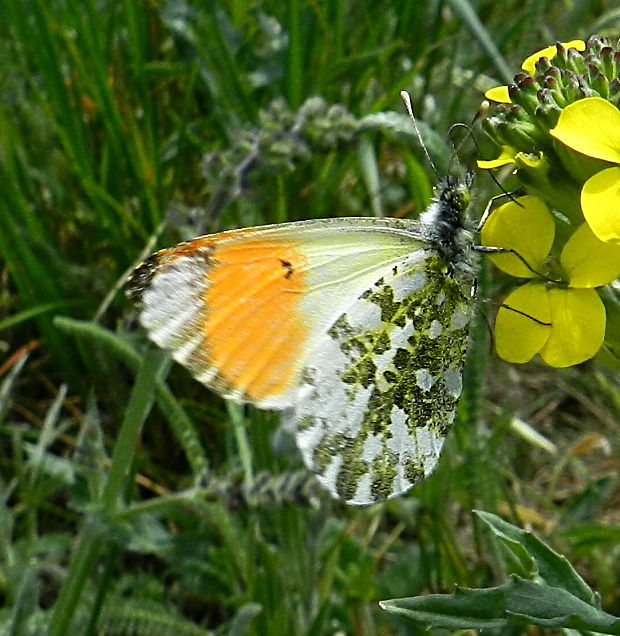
(383, 386)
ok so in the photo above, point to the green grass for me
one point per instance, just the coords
(134, 501)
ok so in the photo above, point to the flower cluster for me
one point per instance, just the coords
(559, 127)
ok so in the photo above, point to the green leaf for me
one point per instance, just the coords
(552, 567)
(519, 602)
(31, 312)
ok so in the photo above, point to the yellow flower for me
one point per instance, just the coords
(591, 126)
(522, 160)
(561, 134)
(561, 320)
(506, 156)
(500, 93)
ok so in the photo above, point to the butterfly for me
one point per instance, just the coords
(355, 329)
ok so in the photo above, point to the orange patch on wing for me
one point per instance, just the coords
(253, 328)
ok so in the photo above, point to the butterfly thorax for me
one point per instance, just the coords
(444, 227)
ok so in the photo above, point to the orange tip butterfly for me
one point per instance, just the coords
(355, 328)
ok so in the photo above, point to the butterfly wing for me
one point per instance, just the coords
(381, 386)
(243, 310)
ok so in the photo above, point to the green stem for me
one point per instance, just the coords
(294, 61)
(91, 543)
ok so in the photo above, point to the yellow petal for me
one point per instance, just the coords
(529, 64)
(600, 202)
(506, 156)
(588, 261)
(518, 337)
(498, 94)
(591, 126)
(527, 228)
(577, 326)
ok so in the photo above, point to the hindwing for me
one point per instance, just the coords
(380, 389)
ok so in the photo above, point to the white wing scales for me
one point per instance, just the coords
(381, 386)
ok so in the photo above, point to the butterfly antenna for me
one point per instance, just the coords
(469, 129)
(404, 95)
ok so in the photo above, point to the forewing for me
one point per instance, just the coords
(243, 309)
(381, 386)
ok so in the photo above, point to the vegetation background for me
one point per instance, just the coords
(127, 126)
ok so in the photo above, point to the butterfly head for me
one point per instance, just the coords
(454, 193)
